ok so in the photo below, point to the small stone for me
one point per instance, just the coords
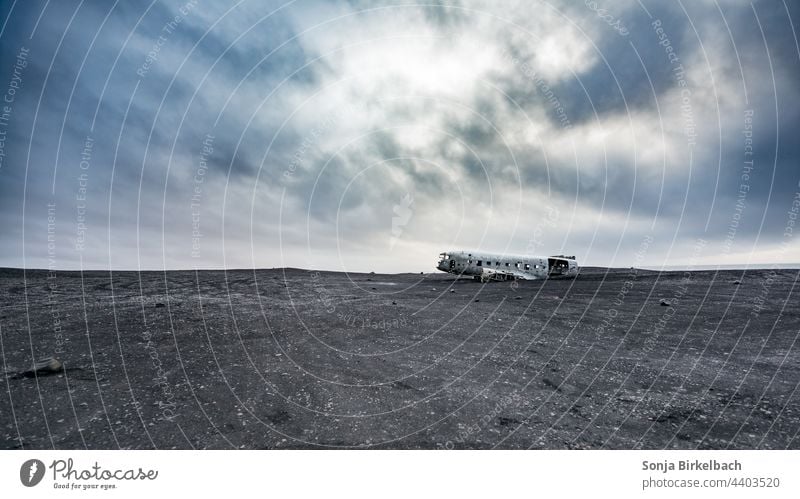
(665, 303)
(160, 305)
(737, 282)
(48, 365)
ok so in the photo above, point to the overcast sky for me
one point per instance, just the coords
(365, 135)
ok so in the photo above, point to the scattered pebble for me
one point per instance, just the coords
(43, 367)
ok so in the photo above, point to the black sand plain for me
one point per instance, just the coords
(290, 358)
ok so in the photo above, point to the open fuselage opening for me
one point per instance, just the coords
(557, 266)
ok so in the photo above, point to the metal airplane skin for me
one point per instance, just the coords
(501, 267)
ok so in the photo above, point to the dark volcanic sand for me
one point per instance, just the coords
(292, 358)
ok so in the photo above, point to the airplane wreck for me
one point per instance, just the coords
(500, 267)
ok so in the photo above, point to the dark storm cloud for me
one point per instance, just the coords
(623, 83)
(429, 116)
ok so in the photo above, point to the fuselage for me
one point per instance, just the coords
(502, 266)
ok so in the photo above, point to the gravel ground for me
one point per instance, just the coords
(290, 358)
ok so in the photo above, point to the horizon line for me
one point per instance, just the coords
(654, 268)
